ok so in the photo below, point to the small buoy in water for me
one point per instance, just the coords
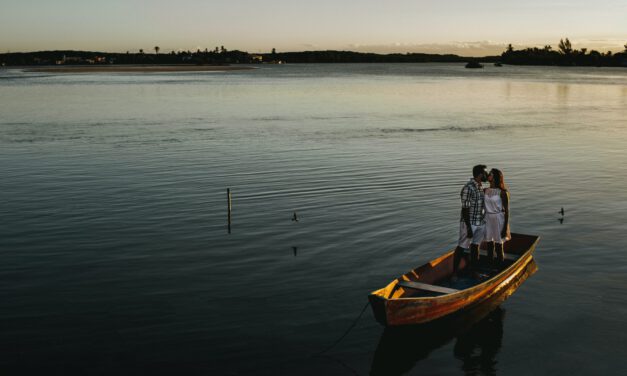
(295, 217)
(561, 211)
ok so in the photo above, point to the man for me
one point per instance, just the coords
(472, 223)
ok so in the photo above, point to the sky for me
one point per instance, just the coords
(469, 28)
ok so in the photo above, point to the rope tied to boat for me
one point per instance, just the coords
(352, 325)
(346, 332)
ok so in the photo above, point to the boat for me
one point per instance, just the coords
(474, 64)
(498, 64)
(432, 292)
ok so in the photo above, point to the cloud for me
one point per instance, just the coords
(480, 48)
(464, 48)
(603, 45)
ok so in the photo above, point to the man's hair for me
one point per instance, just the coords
(477, 170)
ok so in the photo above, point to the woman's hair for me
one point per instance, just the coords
(499, 182)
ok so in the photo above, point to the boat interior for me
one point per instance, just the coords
(437, 277)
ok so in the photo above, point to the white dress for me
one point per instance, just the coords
(494, 216)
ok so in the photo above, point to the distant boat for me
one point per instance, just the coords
(497, 64)
(428, 293)
(474, 64)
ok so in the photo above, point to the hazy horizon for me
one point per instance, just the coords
(482, 28)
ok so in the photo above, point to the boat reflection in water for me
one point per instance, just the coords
(478, 347)
(478, 332)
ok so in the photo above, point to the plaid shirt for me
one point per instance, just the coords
(472, 198)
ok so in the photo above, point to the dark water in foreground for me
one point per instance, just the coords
(115, 252)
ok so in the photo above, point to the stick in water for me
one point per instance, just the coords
(228, 199)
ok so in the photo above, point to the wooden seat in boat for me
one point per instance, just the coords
(426, 287)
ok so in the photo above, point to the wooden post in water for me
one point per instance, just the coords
(228, 199)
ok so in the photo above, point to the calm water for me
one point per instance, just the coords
(114, 246)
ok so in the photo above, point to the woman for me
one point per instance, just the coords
(496, 201)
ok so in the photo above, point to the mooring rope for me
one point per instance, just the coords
(346, 332)
(361, 314)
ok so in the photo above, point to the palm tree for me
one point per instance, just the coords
(157, 50)
(565, 46)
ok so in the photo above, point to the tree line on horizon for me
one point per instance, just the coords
(565, 55)
(217, 56)
(220, 56)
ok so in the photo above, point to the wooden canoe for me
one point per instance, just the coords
(429, 293)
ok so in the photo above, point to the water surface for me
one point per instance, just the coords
(115, 252)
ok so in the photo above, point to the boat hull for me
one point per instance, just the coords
(411, 311)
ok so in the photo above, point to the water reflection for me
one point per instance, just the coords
(477, 344)
(478, 333)
(478, 347)
(563, 92)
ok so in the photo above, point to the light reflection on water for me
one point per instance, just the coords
(114, 241)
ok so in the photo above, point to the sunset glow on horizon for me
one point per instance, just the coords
(483, 27)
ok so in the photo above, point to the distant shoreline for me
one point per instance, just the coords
(137, 68)
(221, 59)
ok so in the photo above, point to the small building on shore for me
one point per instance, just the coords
(71, 60)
